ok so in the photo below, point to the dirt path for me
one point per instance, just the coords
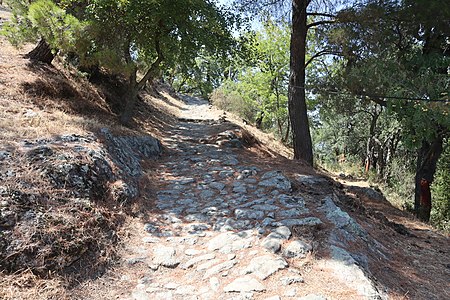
(226, 227)
(229, 223)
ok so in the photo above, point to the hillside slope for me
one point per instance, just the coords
(188, 203)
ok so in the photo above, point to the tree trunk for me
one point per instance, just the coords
(277, 103)
(280, 128)
(288, 128)
(134, 85)
(370, 148)
(42, 52)
(128, 111)
(427, 158)
(297, 97)
(391, 148)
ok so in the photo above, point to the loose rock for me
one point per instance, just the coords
(296, 249)
(165, 256)
(214, 283)
(248, 214)
(228, 242)
(291, 279)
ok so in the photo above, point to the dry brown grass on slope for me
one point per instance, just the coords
(28, 286)
(41, 101)
(68, 240)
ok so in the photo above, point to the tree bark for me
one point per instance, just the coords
(371, 141)
(427, 158)
(297, 96)
(42, 52)
(134, 85)
(288, 129)
(128, 111)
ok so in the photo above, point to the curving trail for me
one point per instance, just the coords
(225, 226)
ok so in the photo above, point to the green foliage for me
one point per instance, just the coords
(58, 28)
(135, 38)
(440, 214)
(17, 30)
(201, 75)
(400, 55)
(394, 54)
(123, 35)
(261, 83)
(151, 30)
(340, 133)
(44, 19)
(401, 179)
(229, 97)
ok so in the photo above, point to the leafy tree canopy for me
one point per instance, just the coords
(126, 36)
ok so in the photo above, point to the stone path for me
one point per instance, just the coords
(221, 228)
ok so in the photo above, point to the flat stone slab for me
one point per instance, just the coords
(291, 213)
(244, 284)
(346, 268)
(264, 266)
(292, 201)
(206, 265)
(207, 194)
(219, 268)
(240, 188)
(248, 214)
(217, 185)
(265, 207)
(185, 290)
(183, 181)
(310, 179)
(341, 219)
(276, 180)
(140, 295)
(310, 221)
(196, 260)
(228, 242)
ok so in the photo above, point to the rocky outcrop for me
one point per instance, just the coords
(52, 192)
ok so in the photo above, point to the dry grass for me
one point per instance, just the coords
(27, 286)
(39, 102)
(35, 106)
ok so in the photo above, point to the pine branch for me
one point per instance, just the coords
(321, 53)
(321, 15)
(323, 22)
